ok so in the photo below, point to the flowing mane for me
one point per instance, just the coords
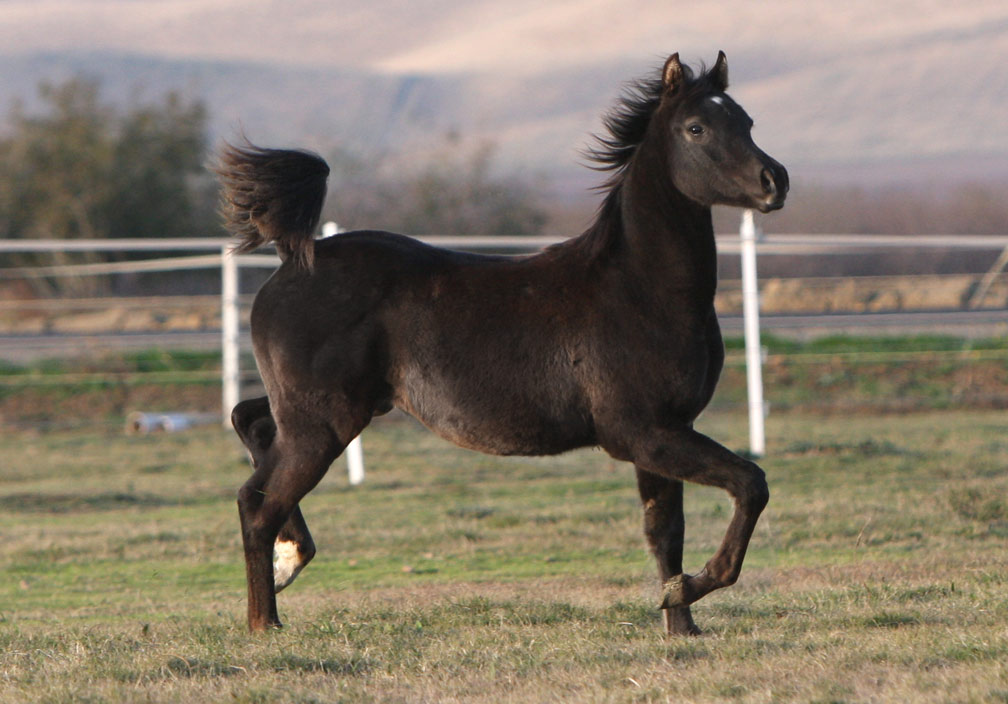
(627, 122)
(626, 125)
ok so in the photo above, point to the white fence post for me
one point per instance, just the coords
(355, 461)
(750, 314)
(354, 451)
(229, 334)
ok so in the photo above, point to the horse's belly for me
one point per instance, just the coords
(499, 422)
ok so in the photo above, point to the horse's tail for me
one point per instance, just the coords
(272, 195)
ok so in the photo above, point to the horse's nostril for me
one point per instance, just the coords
(768, 183)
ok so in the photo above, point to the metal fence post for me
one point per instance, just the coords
(750, 314)
(230, 381)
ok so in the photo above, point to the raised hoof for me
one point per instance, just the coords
(287, 564)
(674, 592)
(283, 578)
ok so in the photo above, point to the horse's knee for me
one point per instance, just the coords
(757, 493)
(749, 488)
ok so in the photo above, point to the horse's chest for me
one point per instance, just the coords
(687, 368)
(666, 366)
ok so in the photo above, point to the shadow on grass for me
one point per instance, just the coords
(82, 503)
(288, 662)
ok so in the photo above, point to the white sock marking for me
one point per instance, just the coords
(287, 563)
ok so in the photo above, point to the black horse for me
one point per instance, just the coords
(608, 339)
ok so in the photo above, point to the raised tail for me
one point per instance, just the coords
(272, 195)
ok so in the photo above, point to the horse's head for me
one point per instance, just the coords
(713, 157)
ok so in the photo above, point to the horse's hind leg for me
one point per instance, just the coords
(685, 454)
(290, 468)
(292, 550)
(664, 527)
(255, 426)
(294, 547)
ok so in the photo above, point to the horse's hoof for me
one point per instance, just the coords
(679, 622)
(267, 627)
(287, 565)
(674, 592)
(685, 629)
(283, 577)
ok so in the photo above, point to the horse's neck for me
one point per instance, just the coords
(669, 239)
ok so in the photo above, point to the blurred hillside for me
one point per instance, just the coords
(905, 93)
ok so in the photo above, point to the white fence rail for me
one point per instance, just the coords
(748, 244)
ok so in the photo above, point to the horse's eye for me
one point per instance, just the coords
(696, 130)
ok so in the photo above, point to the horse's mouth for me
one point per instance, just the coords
(770, 206)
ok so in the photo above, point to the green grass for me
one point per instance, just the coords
(846, 374)
(879, 572)
(834, 344)
(827, 375)
(140, 361)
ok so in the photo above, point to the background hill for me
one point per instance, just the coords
(901, 93)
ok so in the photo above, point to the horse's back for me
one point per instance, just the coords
(353, 274)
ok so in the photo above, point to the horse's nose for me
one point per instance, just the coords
(768, 183)
(774, 181)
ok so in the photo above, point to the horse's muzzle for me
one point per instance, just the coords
(775, 183)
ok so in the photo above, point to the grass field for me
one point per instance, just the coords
(846, 374)
(879, 572)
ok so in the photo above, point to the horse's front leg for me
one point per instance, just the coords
(664, 527)
(684, 454)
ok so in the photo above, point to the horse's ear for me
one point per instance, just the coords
(720, 71)
(672, 74)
